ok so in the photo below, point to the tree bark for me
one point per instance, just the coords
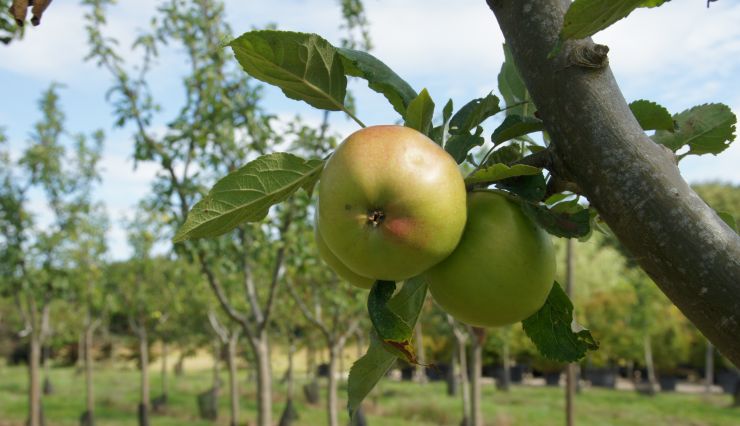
(649, 365)
(462, 360)
(261, 350)
(452, 374)
(709, 368)
(331, 400)
(477, 337)
(570, 369)
(144, 385)
(233, 383)
(506, 365)
(34, 380)
(634, 183)
(89, 390)
(165, 383)
(420, 373)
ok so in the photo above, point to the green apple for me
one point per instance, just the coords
(391, 203)
(338, 267)
(502, 270)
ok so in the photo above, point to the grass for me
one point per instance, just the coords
(390, 404)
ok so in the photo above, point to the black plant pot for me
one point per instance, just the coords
(552, 378)
(601, 377)
(727, 380)
(668, 383)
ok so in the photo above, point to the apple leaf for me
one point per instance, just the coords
(246, 194)
(555, 333)
(368, 370)
(652, 116)
(531, 187)
(438, 132)
(472, 114)
(305, 66)
(379, 76)
(567, 219)
(499, 171)
(419, 113)
(394, 332)
(512, 87)
(585, 18)
(706, 129)
(459, 145)
(515, 126)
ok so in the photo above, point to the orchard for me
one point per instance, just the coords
(537, 235)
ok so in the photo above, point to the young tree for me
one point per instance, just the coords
(36, 257)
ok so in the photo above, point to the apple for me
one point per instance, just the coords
(391, 203)
(338, 267)
(502, 270)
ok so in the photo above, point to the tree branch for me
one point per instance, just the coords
(221, 295)
(691, 254)
(278, 270)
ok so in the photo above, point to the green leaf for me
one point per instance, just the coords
(554, 332)
(729, 219)
(368, 370)
(532, 187)
(246, 194)
(393, 331)
(652, 116)
(380, 78)
(706, 129)
(459, 145)
(305, 66)
(437, 133)
(447, 112)
(419, 113)
(511, 86)
(473, 114)
(515, 126)
(567, 219)
(500, 171)
(585, 18)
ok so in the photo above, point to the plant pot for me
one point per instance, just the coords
(552, 378)
(601, 377)
(668, 383)
(727, 380)
(517, 373)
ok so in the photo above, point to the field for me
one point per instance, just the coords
(391, 404)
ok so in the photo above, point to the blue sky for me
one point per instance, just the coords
(679, 55)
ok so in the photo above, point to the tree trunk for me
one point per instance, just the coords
(452, 374)
(570, 369)
(89, 390)
(476, 414)
(506, 365)
(233, 385)
(633, 182)
(462, 360)
(48, 388)
(144, 368)
(331, 401)
(34, 385)
(709, 368)
(80, 361)
(649, 366)
(420, 374)
(261, 351)
(165, 383)
(180, 364)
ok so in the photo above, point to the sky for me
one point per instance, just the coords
(679, 55)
